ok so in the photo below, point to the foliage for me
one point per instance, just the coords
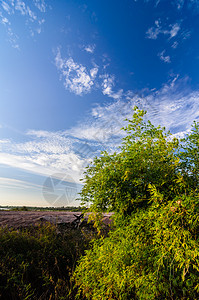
(152, 186)
(156, 256)
(21, 208)
(37, 263)
(119, 182)
(190, 157)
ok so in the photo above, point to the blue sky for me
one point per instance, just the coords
(70, 73)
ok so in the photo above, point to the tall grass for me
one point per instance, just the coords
(38, 262)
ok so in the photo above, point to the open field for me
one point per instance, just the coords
(18, 219)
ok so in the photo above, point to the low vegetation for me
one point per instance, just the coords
(32, 208)
(37, 263)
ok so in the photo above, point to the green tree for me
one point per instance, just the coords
(152, 252)
(119, 182)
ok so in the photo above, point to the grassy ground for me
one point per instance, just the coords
(38, 262)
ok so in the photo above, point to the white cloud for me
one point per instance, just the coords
(13, 38)
(174, 30)
(6, 7)
(47, 142)
(33, 20)
(69, 151)
(41, 5)
(179, 3)
(175, 45)
(163, 57)
(94, 72)
(90, 48)
(31, 14)
(76, 77)
(5, 21)
(97, 131)
(186, 34)
(80, 79)
(175, 107)
(38, 30)
(107, 87)
(153, 32)
(107, 84)
(43, 163)
(19, 184)
(25, 10)
(21, 6)
(40, 133)
(171, 106)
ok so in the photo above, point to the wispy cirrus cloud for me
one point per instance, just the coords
(175, 28)
(6, 7)
(12, 37)
(69, 151)
(24, 10)
(173, 106)
(175, 45)
(18, 184)
(4, 21)
(154, 32)
(41, 5)
(90, 48)
(174, 33)
(108, 82)
(164, 58)
(35, 156)
(30, 11)
(179, 4)
(190, 4)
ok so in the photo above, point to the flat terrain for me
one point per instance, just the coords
(27, 218)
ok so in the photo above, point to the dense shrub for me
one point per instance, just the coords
(155, 256)
(119, 182)
(151, 184)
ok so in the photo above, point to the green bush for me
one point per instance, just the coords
(152, 185)
(119, 182)
(155, 256)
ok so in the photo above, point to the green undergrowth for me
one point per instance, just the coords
(153, 256)
(37, 262)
